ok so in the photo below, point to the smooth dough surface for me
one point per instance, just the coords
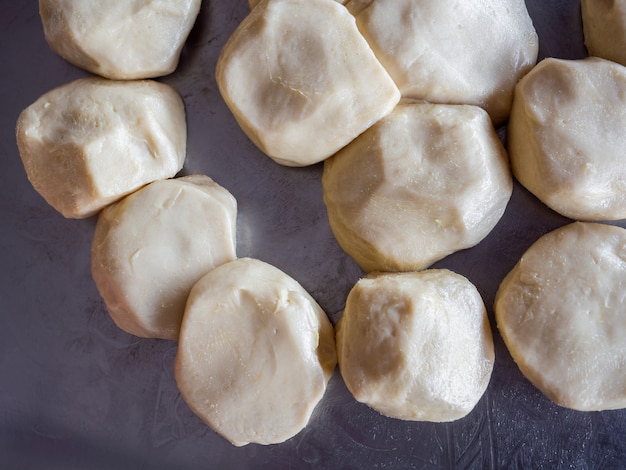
(422, 183)
(416, 346)
(150, 248)
(562, 314)
(119, 39)
(566, 137)
(254, 3)
(301, 80)
(255, 353)
(90, 142)
(456, 52)
(604, 27)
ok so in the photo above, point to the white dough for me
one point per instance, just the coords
(604, 26)
(562, 314)
(301, 80)
(150, 248)
(119, 39)
(416, 346)
(90, 142)
(255, 353)
(423, 182)
(566, 137)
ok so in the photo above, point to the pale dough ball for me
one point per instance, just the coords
(255, 353)
(566, 137)
(301, 80)
(150, 248)
(92, 141)
(463, 52)
(416, 346)
(604, 26)
(562, 314)
(424, 182)
(119, 39)
(254, 3)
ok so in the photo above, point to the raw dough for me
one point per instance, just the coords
(119, 39)
(254, 3)
(424, 182)
(151, 247)
(416, 346)
(604, 25)
(301, 80)
(566, 137)
(255, 353)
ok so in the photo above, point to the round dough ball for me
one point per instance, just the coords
(463, 52)
(150, 248)
(604, 26)
(301, 80)
(416, 346)
(425, 181)
(90, 142)
(119, 39)
(566, 137)
(255, 353)
(562, 314)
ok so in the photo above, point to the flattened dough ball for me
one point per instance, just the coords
(119, 39)
(566, 137)
(255, 353)
(150, 248)
(604, 26)
(416, 346)
(422, 183)
(90, 142)
(562, 314)
(301, 80)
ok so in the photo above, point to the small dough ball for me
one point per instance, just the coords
(90, 142)
(562, 314)
(119, 39)
(566, 137)
(416, 346)
(255, 353)
(604, 26)
(464, 52)
(150, 248)
(424, 182)
(301, 80)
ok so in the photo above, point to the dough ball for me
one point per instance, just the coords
(562, 314)
(150, 248)
(119, 39)
(90, 142)
(416, 346)
(463, 52)
(604, 26)
(301, 80)
(566, 137)
(255, 353)
(425, 181)
(254, 3)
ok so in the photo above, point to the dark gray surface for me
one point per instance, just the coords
(77, 393)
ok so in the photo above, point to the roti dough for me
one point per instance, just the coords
(604, 26)
(416, 346)
(424, 182)
(562, 314)
(150, 248)
(566, 137)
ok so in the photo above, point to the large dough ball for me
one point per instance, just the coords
(566, 137)
(424, 182)
(462, 52)
(150, 248)
(119, 39)
(562, 314)
(416, 346)
(255, 353)
(301, 80)
(92, 141)
(604, 26)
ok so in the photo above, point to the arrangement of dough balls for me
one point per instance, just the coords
(301, 80)
(90, 142)
(119, 39)
(562, 314)
(425, 181)
(604, 26)
(255, 353)
(416, 346)
(150, 248)
(566, 137)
